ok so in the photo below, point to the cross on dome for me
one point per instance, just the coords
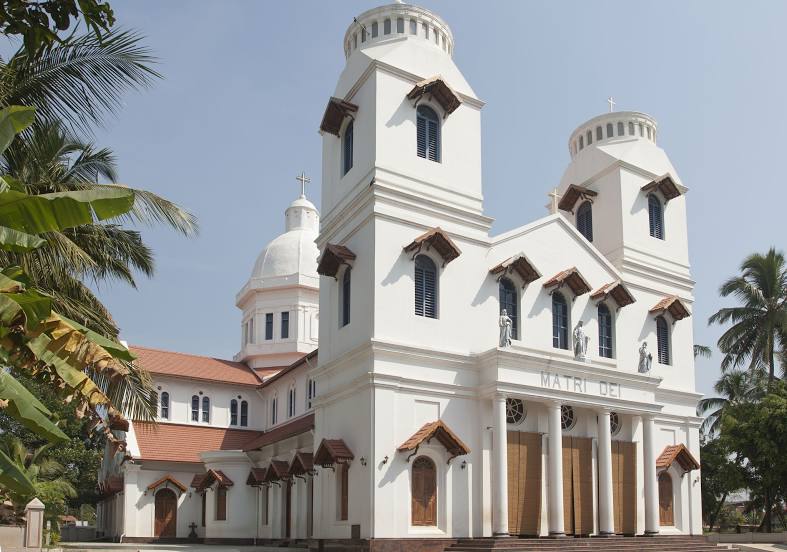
(303, 179)
(611, 103)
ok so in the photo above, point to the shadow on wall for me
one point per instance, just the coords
(403, 114)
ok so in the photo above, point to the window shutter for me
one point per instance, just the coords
(221, 503)
(434, 141)
(343, 514)
(422, 137)
(656, 216)
(604, 332)
(425, 287)
(233, 412)
(346, 296)
(348, 149)
(585, 220)
(662, 337)
(559, 322)
(508, 301)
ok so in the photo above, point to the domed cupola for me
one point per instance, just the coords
(280, 299)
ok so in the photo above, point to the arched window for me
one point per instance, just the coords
(621, 129)
(666, 500)
(194, 408)
(425, 287)
(610, 130)
(400, 25)
(413, 26)
(311, 392)
(589, 137)
(599, 134)
(559, 321)
(206, 410)
(428, 133)
(509, 301)
(631, 129)
(426, 29)
(604, 331)
(387, 26)
(581, 142)
(363, 34)
(164, 404)
(347, 149)
(662, 339)
(375, 29)
(424, 492)
(656, 216)
(585, 220)
(291, 402)
(274, 410)
(233, 412)
(345, 297)
(244, 413)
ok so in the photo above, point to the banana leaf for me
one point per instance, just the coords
(13, 120)
(117, 350)
(27, 409)
(12, 478)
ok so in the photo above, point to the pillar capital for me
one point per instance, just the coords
(553, 403)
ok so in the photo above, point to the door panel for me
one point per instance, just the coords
(624, 486)
(568, 486)
(666, 506)
(166, 514)
(524, 483)
(582, 472)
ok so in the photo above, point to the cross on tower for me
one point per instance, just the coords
(303, 179)
(554, 199)
(611, 103)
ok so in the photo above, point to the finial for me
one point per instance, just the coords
(611, 103)
(303, 179)
(398, 1)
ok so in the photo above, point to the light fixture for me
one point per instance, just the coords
(464, 464)
(385, 460)
(363, 461)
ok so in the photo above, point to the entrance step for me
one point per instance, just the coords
(676, 543)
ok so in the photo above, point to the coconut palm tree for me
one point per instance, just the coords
(47, 475)
(733, 386)
(759, 325)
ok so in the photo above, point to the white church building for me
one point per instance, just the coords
(538, 382)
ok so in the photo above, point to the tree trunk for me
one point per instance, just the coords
(772, 364)
(715, 516)
(768, 511)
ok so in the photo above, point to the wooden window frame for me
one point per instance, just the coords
(606, 343)
(221, 503)
(428, 521)
(560, 333)
(164, 405)
(422, 307)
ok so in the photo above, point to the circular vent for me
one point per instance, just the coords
(515, 411)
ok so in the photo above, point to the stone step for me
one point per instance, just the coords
(676, 543)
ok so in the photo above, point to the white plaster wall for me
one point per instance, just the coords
(279, 388)
(241, 522)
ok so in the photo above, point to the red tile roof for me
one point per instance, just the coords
(256, 477)
(279, 433)
(168, 363)
(184, 443)
(438, 239)
(440, 431)
(673, 305)
(572, 278)
(214, 476)
(332, 451)
(302, 462)
(679, 453)
(521, 265)
(167, 479)
(617, 291)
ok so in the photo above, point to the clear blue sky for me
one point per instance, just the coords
(236, 118)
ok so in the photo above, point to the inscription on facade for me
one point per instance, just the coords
(577, 384)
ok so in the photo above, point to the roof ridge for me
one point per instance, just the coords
(157, 424)
(235, 363)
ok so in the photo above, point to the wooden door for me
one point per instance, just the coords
(424, 492)
(624, 486)
(524, 483)
(577, 485)
(287, 509)
(666, 505)
(166, 514)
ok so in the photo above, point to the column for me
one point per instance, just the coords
(651, 481)
(555, 471)
(606, 519)
(128, 504)
(500, 464)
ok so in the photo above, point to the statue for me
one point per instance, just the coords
(645, 359)
(505, 324)
(580, 342)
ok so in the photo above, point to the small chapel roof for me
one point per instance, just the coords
(331, 452)
(332, 258)
(214, 476)
(666, 185)
(335, 112)
(572, 278)
(301, 463)
(280, 432)
(617, 291)
(256, 477)
(673, 305)
(677, 453)
(167, 479)
(278, 470)
(184, 442)
(520, 264)
(184, 365)
(573, 194)
(439, 240)
(439, 90)
(440, 431)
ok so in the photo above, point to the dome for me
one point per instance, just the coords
(293, 252)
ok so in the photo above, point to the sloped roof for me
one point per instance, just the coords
(335, 112)
(666, 185)
(165, 480)
(439, 90)
(332, 451)
(440, 431)
(617, 291)
(281, 432)
(677, 453)
(439, 240)
(302, 462)
(673, 305)
(256, 477)
(279, 469)
(573, 194)
(214, 476)
(520, 264)
(169, 363)
(184, 443)
(572, 278)
(333, 257)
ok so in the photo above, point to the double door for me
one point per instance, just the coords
(624, 486)
(524, 483)
(577, 485)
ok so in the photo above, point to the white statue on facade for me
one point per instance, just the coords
(580, 342)
(505, 324)
(645, 359)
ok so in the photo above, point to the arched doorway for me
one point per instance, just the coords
(166, 517)
(424, 491)
(666, 500)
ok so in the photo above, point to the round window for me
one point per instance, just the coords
(614, 423)
(515, 411)
(567, 418)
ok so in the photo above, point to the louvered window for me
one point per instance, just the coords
(621, 129)
(347, 149)
(345, 313)
(274, 410)
(164, 403)
(244, 413)
(195, 408)
(206, 410)
(585, 220)
(428, 133)
(656, 217)
(233, 412)
(610, 130)
(268, 326)
(285, 325)
(604, 331)
(425, 287)
(662, 338)
(559, 321)
(509, 303)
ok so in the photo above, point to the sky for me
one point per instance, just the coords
(244, 86)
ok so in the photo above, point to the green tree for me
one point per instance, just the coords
(733, 387)
(757, 432)
(759, 325)
(722, 474)
(48, 477)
